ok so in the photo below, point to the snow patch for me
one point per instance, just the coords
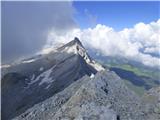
(71, 49)
(44, 77)
(48, 85)
(92, 75)
(28, 61)
(77, 49)
(33, 77)
(5, 66)
(41, 69)
(86, 58)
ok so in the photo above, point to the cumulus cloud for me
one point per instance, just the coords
(25, 25)
(135, 43)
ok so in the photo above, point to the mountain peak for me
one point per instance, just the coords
(76, 47)
(75, 41)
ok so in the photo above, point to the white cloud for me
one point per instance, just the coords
(134, 43)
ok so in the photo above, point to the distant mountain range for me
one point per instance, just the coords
(68, 84)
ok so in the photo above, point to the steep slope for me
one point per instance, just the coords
(38, 78)
(102, 97)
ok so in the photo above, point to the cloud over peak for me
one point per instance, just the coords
(25, 25)
(138, 43)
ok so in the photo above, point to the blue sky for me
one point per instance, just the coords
(118, 15)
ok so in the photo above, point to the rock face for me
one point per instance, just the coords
(67, 84)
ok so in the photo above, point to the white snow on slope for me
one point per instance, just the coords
(87, 58)
(28, 61)
(92, 75)
(41, 69)
(76, 49)
(44, 77)
(5, 66)
(71, 49)
(33, 77)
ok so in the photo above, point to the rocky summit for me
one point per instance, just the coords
(67, 84)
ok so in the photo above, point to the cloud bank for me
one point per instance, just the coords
(140, 43)
(25, 25)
